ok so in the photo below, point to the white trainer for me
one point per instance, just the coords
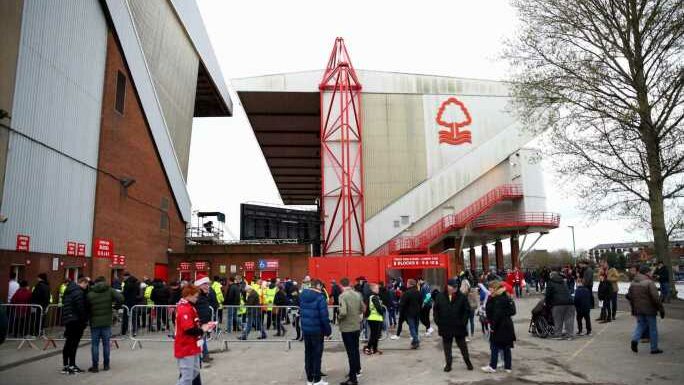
(321, 382)
(488, 369)
(394, 337)
(509, 371)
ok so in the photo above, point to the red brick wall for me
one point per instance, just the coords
(293, 259)
(131, 217)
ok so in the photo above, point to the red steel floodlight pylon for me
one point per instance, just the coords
(342, 207)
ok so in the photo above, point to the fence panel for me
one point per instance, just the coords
(156, 323)
(24, 323)
(53, 327)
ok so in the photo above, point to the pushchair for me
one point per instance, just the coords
(541, 324)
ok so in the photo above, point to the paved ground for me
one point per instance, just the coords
(602, 359)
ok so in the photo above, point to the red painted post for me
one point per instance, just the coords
(485, 257)
(342, 191)
(473, 259)
(515, 251)
(498, 251)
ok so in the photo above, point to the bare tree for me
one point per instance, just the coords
(605, 80)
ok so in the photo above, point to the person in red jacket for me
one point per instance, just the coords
(21, 314)
(188, 340)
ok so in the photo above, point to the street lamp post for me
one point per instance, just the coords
(574, 252)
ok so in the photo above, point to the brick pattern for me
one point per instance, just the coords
(131, 217)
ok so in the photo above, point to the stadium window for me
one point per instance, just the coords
(120, 92)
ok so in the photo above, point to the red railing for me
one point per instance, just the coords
(506, 220)
(451, 222)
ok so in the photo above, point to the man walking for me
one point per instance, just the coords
(315, 326)
(558, 298)
(663, 275)
(74, 318)
(101, 298)
(643, 297)
(451, 313)
(410, 306)
(613, 277)
(351, 310)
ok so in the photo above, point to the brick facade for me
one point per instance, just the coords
(293, 260)
(132, 217)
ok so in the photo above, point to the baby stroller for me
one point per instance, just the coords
(541, 324)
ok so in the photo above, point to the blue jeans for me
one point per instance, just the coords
(97, 334)
(643, 322)
(232, 319)
(664, 291)
(495, 356)
(313, 354)
(413, 329)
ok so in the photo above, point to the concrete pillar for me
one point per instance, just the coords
(515, 251)
(498, 251)
(473, 259)
(485, 257)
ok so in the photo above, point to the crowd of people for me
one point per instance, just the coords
(190, 311)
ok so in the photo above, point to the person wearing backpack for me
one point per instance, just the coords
(375, 315)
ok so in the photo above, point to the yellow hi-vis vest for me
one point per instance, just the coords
(62, 289)
(148, 294)
(242, 309)
(269, 297)
(374, 313)
(216, 286)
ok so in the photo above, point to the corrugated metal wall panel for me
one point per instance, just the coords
(173, 63)
(122, 19)
(58, 100)
(394, 147)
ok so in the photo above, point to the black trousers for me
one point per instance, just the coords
(447, 343)
(400, 323)
(313, 354)
(586, 318)
(425, 316)
(72, 333)
(375, 330)
(351, 345)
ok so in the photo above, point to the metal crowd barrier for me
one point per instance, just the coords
(155, 323)
(53, 327)
(253, 323)
(25, 323)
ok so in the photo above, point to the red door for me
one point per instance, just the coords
(267, 275)
(249, 276)
(161, 271)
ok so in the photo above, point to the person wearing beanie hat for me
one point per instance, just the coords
(499, 309)
(204, 304)
(645, 302)
(451, 312)
(40, 295)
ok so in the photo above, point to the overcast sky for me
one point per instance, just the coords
(452, 38)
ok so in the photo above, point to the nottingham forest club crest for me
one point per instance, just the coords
(453, 115)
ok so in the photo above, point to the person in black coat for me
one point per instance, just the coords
(232, 301)
(161, 297)
(583, 307)
(132, 297)
(74, 318)
(410, 305)
(605, 292)
(451, 313)
(500, 308)
(279, 309)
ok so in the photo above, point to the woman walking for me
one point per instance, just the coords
(187, 346)
(500, 308)
(451, 312)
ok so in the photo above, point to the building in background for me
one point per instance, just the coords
(445, 165)
(94, 160)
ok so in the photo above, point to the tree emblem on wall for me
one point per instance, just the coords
(454, 115)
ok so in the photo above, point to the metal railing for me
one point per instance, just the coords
(155, 323)
(53, 327)
(451, 222)
(514, 219)
(24, 323)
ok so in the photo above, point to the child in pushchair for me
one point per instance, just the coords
(541, 324)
